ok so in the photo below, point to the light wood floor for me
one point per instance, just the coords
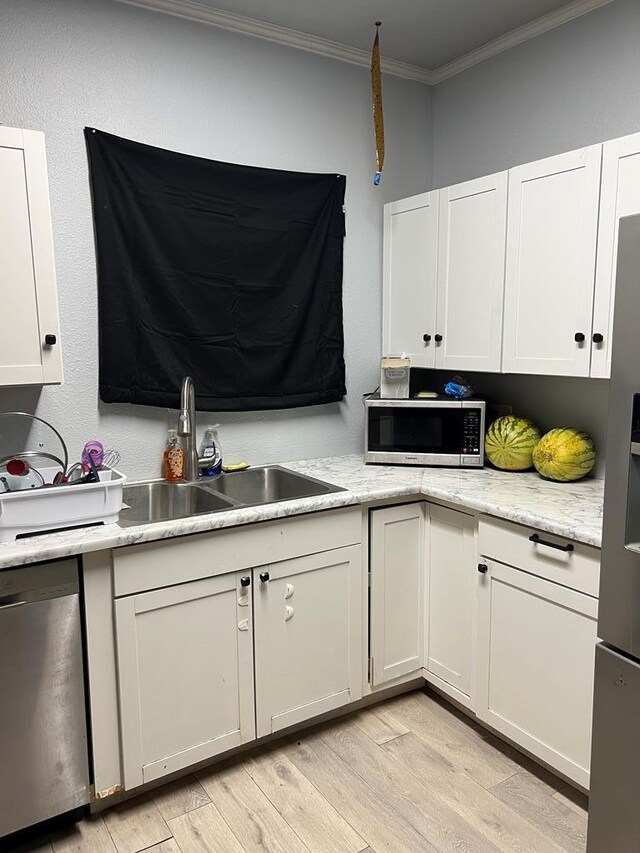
(411, 774)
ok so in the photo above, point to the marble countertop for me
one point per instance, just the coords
(573, 510)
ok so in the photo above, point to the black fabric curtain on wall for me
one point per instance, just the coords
(230, 274)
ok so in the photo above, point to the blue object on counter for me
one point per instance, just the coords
(211, 452)
(458, 388)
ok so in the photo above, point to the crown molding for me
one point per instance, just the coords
(194, 11)
(534, 28)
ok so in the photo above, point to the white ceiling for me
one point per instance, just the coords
(428, 33)
(428, 40)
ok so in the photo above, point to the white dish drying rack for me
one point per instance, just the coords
(61, 507)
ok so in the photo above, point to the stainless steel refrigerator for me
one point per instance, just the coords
(614, 803)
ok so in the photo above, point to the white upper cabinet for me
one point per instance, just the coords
(551, 258)
(620, 197)
(514, 272)
(410, 266)
(471, 259)
(30, 342)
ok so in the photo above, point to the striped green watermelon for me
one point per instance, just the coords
(510, 442)
(564, 455)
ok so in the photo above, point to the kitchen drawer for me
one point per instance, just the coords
(509, 543)
(171, 561)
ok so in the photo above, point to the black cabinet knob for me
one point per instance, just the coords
(50, 340)
(483, 568)
(264, 576)
(426, 338)
(246, 581)
(438, 338)
(578, 337)
(598, 338)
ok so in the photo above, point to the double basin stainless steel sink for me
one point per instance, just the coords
(161, 501)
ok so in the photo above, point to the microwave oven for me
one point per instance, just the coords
(437, 431)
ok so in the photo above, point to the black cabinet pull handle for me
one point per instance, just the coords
(50, 340)
(598, 338)
(438, 338)
(246, 581)
(483, 568)
(426, 338)
(535, 538)
(579, 337)
(264, 576)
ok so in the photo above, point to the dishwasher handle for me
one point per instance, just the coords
(11, 604)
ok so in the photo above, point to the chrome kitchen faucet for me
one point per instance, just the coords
(187, 429)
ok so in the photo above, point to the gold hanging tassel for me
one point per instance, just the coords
(376, 94)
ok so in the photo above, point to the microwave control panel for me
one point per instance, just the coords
(471, 432)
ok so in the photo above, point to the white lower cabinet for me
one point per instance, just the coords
(308, 637)
(227, 636)
(423, 596)
(397, 565)
(185, 670)
(451, 597)
(514, 645)
(536, 647)
(207, 663)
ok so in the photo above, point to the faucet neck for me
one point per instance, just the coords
(187, 428)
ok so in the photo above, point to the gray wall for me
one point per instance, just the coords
(573, 86)
(158, 79)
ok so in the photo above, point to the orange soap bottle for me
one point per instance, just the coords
(173, 458)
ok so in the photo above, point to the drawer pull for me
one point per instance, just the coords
(535, 538)
(483, 568)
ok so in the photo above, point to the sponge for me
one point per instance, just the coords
(234, 466)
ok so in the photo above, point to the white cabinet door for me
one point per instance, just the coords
(185, 669)
(27, 273)
(551, 255)
(308, 637)
(409, 279)
(397, 564)
(620, 196)
(471, 259)
(536, 648)
(451, 596)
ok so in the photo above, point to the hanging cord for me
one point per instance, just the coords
(376, 94)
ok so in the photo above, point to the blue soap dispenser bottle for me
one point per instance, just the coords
(210, 452)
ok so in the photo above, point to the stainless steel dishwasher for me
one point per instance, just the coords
(44, 767)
